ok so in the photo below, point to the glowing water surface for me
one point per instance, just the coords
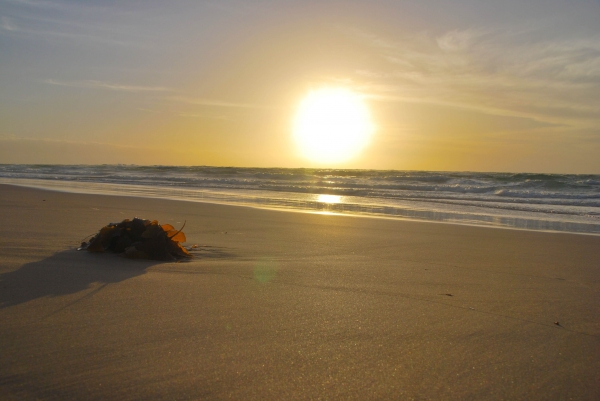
(465, 213)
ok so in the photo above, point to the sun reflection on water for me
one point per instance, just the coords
(329, 198)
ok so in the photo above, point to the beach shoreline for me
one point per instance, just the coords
(292, 305)
(299, 206)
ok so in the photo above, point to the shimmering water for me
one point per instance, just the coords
(531, 201)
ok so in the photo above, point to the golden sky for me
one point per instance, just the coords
(450, 85)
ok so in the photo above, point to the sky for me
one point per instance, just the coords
(451, 85)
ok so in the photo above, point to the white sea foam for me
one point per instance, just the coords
(532, 201)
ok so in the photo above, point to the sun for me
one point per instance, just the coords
(332, 125)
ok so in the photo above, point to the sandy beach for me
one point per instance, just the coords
(287, 305)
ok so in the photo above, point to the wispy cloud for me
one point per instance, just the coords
(64, 151)
(499, 72)
(15, 138)
(216, 103)
(37, 3)
(7, 24)
(457, 40)
(107, 85)
(202, 115)
(59, 35)
(149, 110)
(79, 22)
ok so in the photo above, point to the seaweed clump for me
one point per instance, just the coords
(139, 239)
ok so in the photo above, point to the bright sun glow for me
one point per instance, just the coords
(332, 125)
(329, 198)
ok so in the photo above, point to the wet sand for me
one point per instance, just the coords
(284, 305)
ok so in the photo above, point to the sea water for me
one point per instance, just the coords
(550, 202)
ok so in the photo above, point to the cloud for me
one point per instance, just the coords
(202, 115)
(148, 110)
(50, 34)
(216, 103)
(37, 3)
(107, 85)
(18, 150)
(503, 72)
(456, 40)
(79, 22)
(36, 150)
(7, 24)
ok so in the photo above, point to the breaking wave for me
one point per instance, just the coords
(477, 198)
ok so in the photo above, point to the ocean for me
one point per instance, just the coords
(547, 202)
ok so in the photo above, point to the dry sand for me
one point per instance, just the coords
(281, 305)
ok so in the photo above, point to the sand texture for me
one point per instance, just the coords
(282, 305)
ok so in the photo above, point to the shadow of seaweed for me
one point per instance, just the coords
(211, 252)
(66, 272)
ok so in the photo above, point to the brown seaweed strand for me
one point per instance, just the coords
(185, 221)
